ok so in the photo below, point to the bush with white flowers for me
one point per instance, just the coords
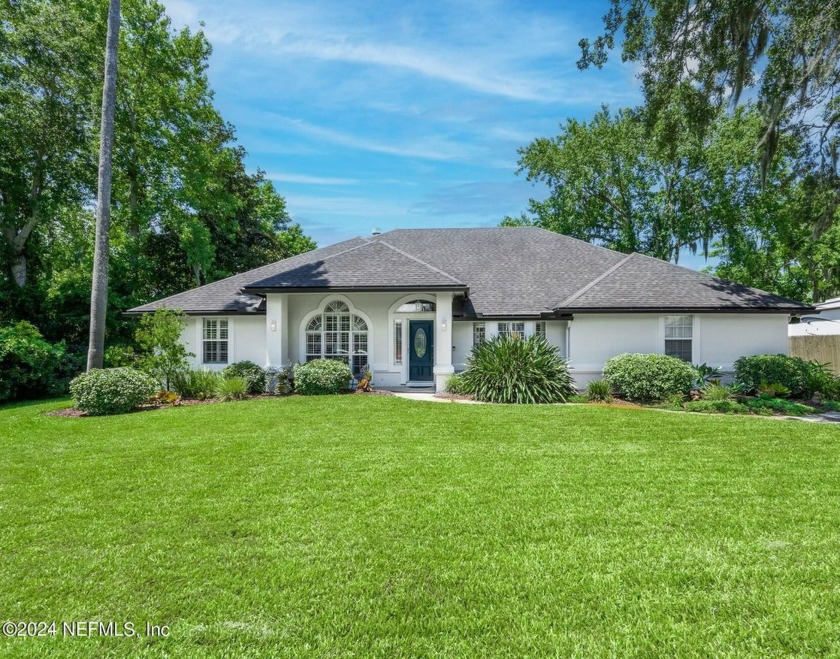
(322, 376)
(111, 390)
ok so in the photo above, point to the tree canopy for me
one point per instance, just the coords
(734, 151)
(185, 209)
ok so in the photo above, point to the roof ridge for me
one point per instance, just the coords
(326, 258)
(574, 296)
(421, 262)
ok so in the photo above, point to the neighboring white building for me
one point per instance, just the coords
(827, 323)
(411, 304)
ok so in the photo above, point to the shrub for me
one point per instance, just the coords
(111, 390)
(516, 370)
(649, 378)
(779, 406)
(714, 391)
(794, 373)
(774, 390)
(716, 407)
(164, 355)
(322, 376)
(232, 388)
(823, 380)
(254, 375)
(455, 385)
(706, 373)
(199, 384)
(30, 366)
(598, 391)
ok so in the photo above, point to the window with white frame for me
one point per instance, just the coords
(679, 334)
(479, 333)
(215, 341)
(398, 340)
(340, 335)
(539, 328)
(512, 329)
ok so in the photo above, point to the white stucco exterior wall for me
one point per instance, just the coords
(718, 339)
(246, 340)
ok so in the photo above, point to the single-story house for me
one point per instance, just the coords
(826, 324)
(410, 304)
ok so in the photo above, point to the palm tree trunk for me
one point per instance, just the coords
(99, 291)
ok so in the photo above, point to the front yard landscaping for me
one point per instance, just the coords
(375, 526)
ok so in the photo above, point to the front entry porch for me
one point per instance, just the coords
(404, 339)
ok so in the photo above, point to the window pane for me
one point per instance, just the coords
(223, 330)
(210, 328)
(680, 348)
(337, 306)
(678, 327)
(398, 342)
(313, 345)
(416, 306)
(479, 333)
(314, 324)
(518, 329)
(360, 343)
(539, 329)
(359, 324)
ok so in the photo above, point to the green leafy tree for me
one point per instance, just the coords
(164, 356)
(782, 61)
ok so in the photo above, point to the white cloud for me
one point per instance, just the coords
(310, 180)
(426, 148)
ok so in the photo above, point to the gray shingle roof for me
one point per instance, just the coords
(641, 282)
(372, 265)
(225, 296)
(521, 271)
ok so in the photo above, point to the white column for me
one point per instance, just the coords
(443, 340)
(276, 329)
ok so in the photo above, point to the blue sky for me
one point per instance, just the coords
(400, 115)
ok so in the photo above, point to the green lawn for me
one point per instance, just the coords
(374, 526)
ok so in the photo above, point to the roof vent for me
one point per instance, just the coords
(375, 232)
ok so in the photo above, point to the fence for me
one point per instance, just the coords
(824, 349)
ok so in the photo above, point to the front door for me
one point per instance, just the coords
(421, 345)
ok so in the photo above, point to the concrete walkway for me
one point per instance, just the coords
(825, 417)
(430, 397)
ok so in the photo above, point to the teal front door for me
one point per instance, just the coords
(421, 345)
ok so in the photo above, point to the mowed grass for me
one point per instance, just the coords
(374, 526)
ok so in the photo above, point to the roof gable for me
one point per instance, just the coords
(371, 265)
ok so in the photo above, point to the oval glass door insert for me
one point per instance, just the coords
(420, 343)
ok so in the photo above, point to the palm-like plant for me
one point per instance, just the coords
(514, 370)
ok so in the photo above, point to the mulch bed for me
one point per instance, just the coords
(447, 396)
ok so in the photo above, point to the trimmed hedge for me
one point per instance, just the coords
(648, 378)
(111, 390)
(253, 375)
(322, 377)
(514, 370)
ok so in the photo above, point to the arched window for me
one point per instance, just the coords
(416, 306)
(338, 334)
